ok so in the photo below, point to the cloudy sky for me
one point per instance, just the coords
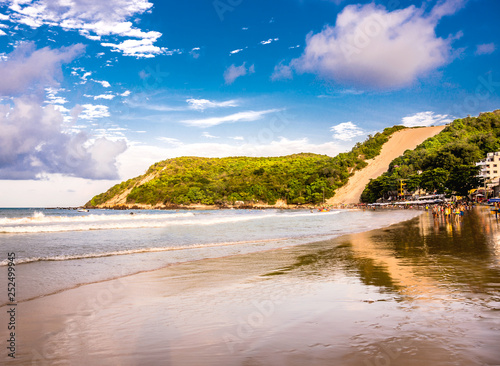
(92, 92)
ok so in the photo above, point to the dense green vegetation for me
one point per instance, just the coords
(444, 163)
(297, 179)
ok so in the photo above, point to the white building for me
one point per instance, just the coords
(490, 169)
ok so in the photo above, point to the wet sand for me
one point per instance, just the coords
(420, 292)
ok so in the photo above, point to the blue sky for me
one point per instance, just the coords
(92, 92)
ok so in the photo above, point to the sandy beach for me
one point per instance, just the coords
(418, 292)
(398, 143)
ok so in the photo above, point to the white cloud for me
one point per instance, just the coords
(446, 7)
(4, 17)
(53, 98)
(209, 136)
(346, 131)
(126, 93)
(91, 112)
(140, 48)
(33, 142)
(26, 67)
(202, 104)
(426, 119)
(104, 96)
(485, 49)
(281, 72)
(236, 51)
(170, 140)
(93, 19)
(195, 52)
(104, 83)
(233, 72)
(269, 41)
(81, 73)
(246, 116)
(372, 48)
(238, 138)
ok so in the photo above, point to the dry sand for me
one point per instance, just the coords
(396, 146)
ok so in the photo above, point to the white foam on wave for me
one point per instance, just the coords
(39, 218)
(39, 223)
(58, 258)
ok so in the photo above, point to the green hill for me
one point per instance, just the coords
(444, 163)
(295, 179)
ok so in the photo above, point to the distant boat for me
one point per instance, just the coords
(83, 210)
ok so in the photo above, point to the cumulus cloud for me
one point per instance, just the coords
(346, 131)
(485, 49)
(372, 48)
(426, 119)
(202, 104)
(282, 71)
(233, 72)
(33, 142)
(246, 116)
(93, 19)
(27, 68)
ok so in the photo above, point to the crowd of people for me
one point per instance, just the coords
(450, 210)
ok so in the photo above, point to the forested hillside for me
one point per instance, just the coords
(296, 179)
(444, 163)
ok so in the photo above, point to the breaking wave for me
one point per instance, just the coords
(40, 223)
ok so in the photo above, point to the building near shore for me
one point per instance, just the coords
(490, 169)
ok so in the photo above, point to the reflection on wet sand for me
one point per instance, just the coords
(423, 257)
(419, 292)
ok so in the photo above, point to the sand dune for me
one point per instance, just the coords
(396, 146)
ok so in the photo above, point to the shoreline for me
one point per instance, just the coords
(342, 301)
(49, 266)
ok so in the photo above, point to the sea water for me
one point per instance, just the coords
(57, 249)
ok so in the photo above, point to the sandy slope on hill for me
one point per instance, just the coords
(396, 146)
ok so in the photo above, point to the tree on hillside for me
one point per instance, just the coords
(434, 180)
(447, 159)
(463, 178)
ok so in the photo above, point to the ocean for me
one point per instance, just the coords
(59, 249)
